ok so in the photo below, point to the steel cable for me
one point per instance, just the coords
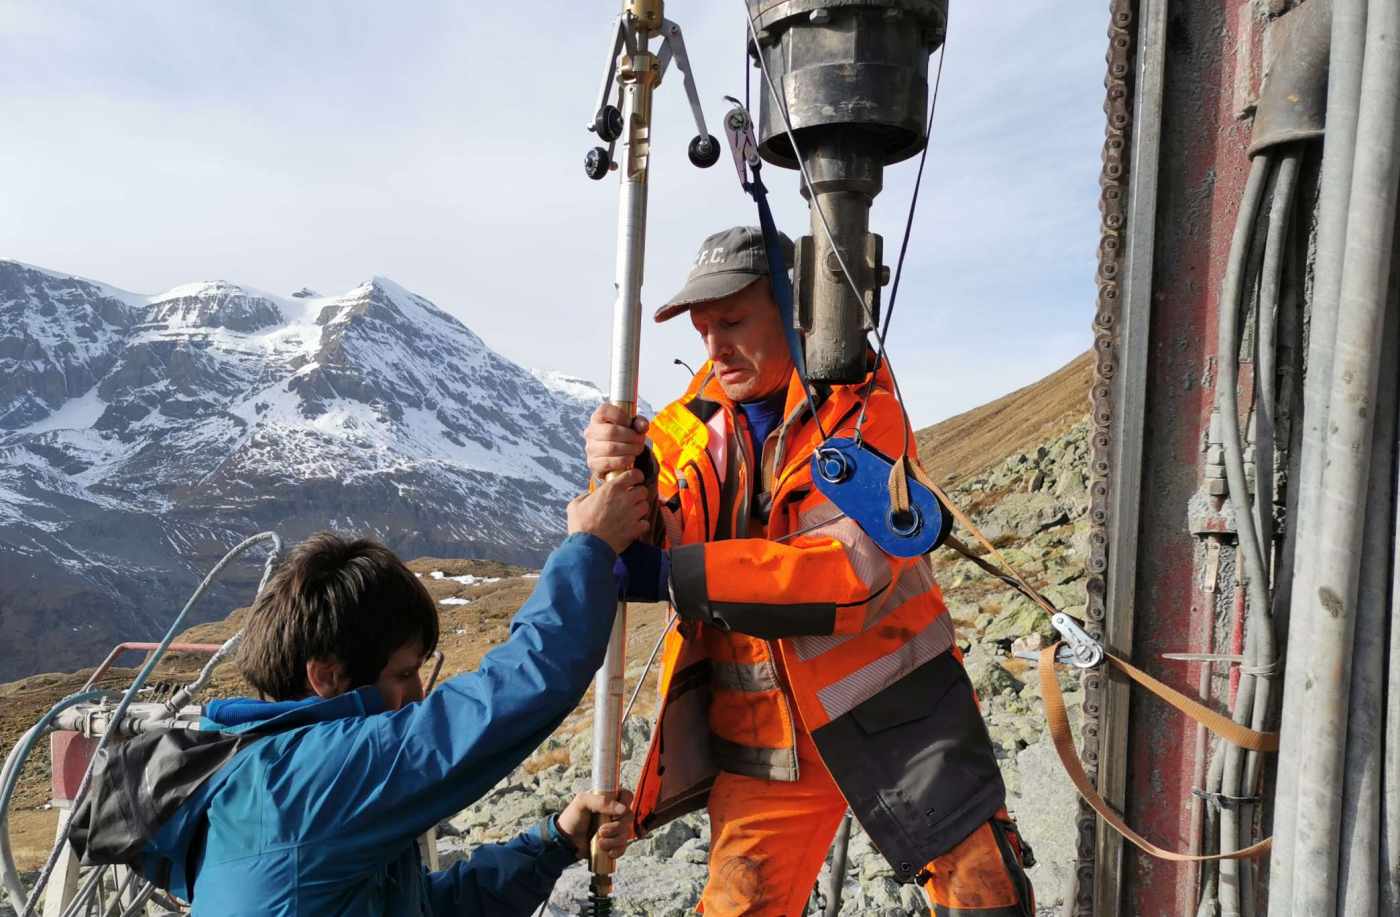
(780, 103)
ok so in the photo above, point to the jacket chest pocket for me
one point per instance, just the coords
(698, 504)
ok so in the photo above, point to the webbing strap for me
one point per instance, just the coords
(1058, 720)
(777, 271)
(899, 485)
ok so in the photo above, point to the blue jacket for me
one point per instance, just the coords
(322, 817)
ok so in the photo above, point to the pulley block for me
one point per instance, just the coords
(856, 479)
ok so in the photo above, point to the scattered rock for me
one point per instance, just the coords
(1019, 617)
(1022, 515)
(669, 838)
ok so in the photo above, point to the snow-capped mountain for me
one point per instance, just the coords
(141, 436)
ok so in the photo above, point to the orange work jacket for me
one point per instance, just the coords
(790, 617)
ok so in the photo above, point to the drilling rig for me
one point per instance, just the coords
(1244, 466)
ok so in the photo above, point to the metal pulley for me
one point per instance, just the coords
(629, 60)
(855, 478)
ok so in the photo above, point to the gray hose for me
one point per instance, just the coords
(1209, 905)
(1262, 638)
(82, 899)
(189, 691)
(1359, 842)
(1390, 787)
(1254, 682)
(125, 702)
(9, 874)
(1270, 282)
(1338, 158)
(1350, 423)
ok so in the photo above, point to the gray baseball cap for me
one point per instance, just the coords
(728, 262)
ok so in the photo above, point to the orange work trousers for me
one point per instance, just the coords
(770, 838)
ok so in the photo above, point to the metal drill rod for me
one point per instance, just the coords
(637, 72)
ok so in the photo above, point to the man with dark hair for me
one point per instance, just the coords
(337, 616)
(316, 796)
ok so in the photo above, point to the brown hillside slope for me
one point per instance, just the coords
(977, 439)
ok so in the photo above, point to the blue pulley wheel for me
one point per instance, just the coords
(856, 479)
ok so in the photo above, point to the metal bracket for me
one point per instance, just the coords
(673, 45)
(610, 73)
(1085, 652)
(738, 130)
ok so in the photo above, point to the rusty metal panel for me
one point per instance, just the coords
(1212, 63)
(70, 752)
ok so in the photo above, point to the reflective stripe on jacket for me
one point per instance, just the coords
(790, 615)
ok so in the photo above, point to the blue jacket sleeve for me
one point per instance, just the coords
(501, 880)
(411, 768)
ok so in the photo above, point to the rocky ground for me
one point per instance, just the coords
(1033, 505)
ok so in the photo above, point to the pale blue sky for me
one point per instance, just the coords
(282, 145)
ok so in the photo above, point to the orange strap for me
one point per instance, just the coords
(1058, 721)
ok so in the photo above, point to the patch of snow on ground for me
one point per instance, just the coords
(572, 386)
(466, 580)
(455, 600)
(76, 414)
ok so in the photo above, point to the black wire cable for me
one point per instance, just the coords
(899, 265)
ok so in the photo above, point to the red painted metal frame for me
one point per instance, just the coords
(1203, 170)
(71, 752)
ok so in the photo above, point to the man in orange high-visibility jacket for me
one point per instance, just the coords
(809, 671)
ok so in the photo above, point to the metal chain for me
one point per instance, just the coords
(1113, 211)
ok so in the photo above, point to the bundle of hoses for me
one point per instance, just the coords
(27, 903)
(1337, 803)
(1330, 579)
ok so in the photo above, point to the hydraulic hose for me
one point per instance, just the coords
(1359, 842)
(1261, 641)
(9, 872)
(1390, 782)
(127, 698)
(1270, 282)
(14, 765)
(1338, 157)
(1210, 874)
(1350, 425)
(1254, 686)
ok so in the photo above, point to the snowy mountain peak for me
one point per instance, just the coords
(144, 434)
(212, 304)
